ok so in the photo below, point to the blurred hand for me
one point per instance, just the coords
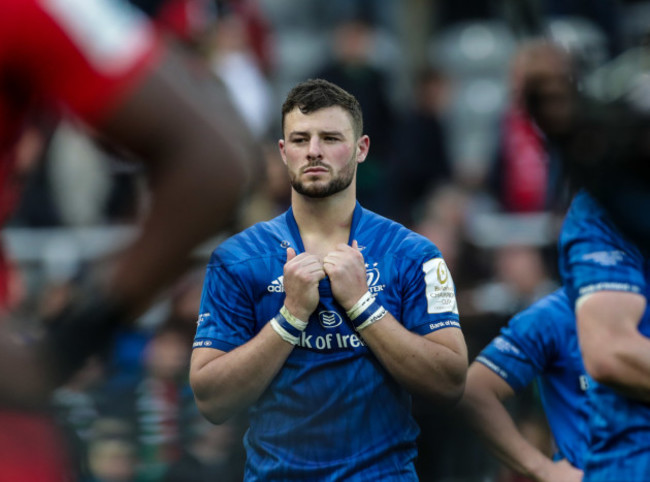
(561, 471)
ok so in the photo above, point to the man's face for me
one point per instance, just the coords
(321, 151)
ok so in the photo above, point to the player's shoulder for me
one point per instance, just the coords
(396, 238)
(261, 240)
(552, 315)
(589, 226)
(586, 217)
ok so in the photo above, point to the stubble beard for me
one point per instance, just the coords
(320, 190)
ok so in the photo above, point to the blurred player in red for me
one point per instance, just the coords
(104, 64)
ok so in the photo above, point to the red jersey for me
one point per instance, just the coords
(74, 55)
(79, 56)
(525, 164)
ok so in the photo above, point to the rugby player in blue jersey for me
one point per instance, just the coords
(607, 281)
(603, 259)
(323, 321)
(539, 344)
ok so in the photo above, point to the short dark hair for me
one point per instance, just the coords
(315, 94)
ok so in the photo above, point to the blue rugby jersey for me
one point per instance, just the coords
(333, 412)
(595, 256)
(541, 344)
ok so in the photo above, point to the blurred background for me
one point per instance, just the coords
(453, 156)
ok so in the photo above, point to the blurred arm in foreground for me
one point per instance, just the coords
(154, 102)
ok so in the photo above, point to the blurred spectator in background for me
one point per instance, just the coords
(112, 455)
(230, 53)
(353, 68)
(421, 159)
(442, 217)
(259, 31)
(520, 277)
(185, 20)
(274, 197)
(526, 177)
(605, 14)
(24, 173)
(77, 406)
(162, 402)
(210, 452)
(159, 404)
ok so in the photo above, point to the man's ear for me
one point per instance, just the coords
(282, 153)
(363, 146)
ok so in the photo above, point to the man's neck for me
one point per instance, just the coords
(323, 221)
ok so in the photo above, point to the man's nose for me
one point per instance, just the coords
(314, 148)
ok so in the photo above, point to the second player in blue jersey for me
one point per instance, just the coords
(607, 280)
(538, 344)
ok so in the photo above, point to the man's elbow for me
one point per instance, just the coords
(212, 410)
(447, 391)
(209, 404)
(602, 366)
(453, 394)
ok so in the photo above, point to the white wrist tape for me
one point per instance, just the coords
(365, 312)
(288, 326)
(293, 321)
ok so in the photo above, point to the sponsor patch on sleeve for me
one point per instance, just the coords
(440, 292)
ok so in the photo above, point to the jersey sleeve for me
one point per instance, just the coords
(83, 55)
(523, 349)
(226, 319)
(429, 293)
(594, 255)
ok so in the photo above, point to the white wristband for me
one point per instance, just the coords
(360, 306)
(284, 334)
(295, 322)
(365, 312)
(288, 326)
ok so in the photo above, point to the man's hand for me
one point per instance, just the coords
(561, 471)
(346, 269)
(301, 276)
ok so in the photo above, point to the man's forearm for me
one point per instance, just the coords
(233, 381)
(200, 160)
(626, 370)
(423, 366)
(614, 351)
(490, 419)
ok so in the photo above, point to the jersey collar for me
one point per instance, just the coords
(295, 232)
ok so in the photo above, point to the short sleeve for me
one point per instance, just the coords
(594, 255)
(524, 348)
(429, 294)
(226, 319)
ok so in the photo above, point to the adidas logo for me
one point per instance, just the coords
(276, 286)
